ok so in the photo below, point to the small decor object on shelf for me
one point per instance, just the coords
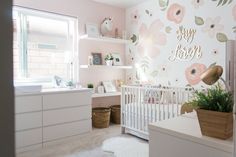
(116, 33)
(90, 60)
(215, 112)
(92, 30)
(100, 89)
(71, 84)
(117, 59)
(106, 26)
(109, 86)
(97, 58)
(109, 59)
(90, 85)
(119, 83)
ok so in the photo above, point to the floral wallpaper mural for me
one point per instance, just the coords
(174, 41)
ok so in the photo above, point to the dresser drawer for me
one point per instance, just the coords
(66, 130)
(55, 101)
(28, 120)
(58, 116)
(28, 104)
(28, 138)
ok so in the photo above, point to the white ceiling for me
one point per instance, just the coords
(121, 3)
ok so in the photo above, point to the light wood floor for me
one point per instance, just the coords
(75, 146)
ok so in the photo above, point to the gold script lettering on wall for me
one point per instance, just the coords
(186, 52)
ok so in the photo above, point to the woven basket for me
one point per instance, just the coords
(115, 114)
(215, 124)
(101, 117)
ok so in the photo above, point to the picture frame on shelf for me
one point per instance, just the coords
(92, 30)
(97, 58)
(109, 86)
(117, 59)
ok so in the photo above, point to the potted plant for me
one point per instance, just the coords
(109, 59)
(215, 112)
(90, 85)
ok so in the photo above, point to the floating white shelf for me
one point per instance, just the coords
(106, 39)
(104, 66)
(97, 95)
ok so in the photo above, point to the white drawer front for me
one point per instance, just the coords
(29, 137)
(28, 104)
(28, 120)
(66, 130)
(66, 100)
(29, 148)
(58, 116)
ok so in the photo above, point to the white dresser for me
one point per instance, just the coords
(181, 137)
(50, 115)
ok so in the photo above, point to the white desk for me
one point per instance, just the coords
(181, 137)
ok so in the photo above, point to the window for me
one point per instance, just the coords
(45, 45)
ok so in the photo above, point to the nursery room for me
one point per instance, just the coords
(118, 78)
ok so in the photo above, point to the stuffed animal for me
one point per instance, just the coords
(106, 26)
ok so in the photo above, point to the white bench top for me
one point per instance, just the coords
(187, 127)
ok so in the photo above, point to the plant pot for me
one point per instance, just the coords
(109, 62)
(215, 124)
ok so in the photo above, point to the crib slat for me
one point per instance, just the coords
(147, 104)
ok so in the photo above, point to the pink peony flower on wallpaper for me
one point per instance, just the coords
(151, 38)
(176, 13)
(213, 26)
(197, 3)
(194, 72)
(135, 16)
(234, 12)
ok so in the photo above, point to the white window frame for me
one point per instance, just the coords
(74, 63)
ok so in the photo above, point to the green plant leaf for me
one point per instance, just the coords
(224, 2)
(168, 29)
(199, 20)
(221, 37)
(215, 99)
(213, 64)
(220, 2)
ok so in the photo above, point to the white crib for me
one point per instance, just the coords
(141, 105)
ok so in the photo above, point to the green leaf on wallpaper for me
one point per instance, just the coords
(134, 38)
(199, 20)
(234, 29)
(168, 29)
(163, 4)
(154, 73)
(223, 2)
(221, 37)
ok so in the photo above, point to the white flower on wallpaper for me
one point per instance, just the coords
(176, 13)
(212, 26)
(197, 3)
(234, 12)
(135, 16)
(193, 73)
(215, 52)
(151, 39)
